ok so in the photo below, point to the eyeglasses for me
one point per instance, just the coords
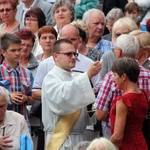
(69, 54)
(30, 19)
(26, 45)
(6, 10)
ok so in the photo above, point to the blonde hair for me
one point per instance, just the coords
(101, 144)
(143, 37)
(124, 22)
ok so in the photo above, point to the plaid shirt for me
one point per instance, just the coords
(108, 90)
(16, 80)
(104, 45)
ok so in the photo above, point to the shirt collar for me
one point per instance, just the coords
(9, 68)
(25, 9)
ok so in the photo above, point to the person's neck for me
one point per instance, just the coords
(10, 26)
(84, 50)
(24, 61)
(28, 4)
(131, 87)
(47, 54)
(11, 23)
(142, 59)
(92, 42)
(13, 65)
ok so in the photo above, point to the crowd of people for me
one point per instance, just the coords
(74, 76)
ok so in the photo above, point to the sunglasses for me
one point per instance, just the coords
(69, 54)
(6, 10)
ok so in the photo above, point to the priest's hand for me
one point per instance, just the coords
(94, 69)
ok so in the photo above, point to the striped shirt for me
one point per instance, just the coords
(16, 80)
(104, 45)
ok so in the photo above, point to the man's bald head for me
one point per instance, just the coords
(71, 33)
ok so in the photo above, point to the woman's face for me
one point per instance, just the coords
(109, 24)
(119, 31)
(47, 41)
(32, 24)
(118, 80)
(62, 15)
(7, 13)
(26, 47)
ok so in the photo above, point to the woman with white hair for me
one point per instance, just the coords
(143, 55)
(122, 26)
(101, 144)
(112, 16)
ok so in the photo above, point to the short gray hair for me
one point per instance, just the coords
(5, 93)
(115, 14)
(59, 3)
(86, 15)
(128, 44)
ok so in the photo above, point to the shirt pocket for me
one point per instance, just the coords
(25, 88)
(5, 84)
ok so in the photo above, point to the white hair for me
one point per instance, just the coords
(5, 93)
(101, 144)
(86, 15)
(128, 44)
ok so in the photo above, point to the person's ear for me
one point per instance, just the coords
(124, 76)
(55, 57)
(120, 53)
(3, 52)
(80, 40)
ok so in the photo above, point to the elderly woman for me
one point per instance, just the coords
(35, 19)
(47, 36)
(12, 125)
(8, 9)
(143, 55)
(112, 16)
(121, 26)
(101, 144)
(63, 13)
(129, 110)
(27, 59)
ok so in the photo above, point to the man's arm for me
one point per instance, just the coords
(104, 98)
(37, 95)
(101, 115)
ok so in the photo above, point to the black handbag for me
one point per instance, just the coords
(146, 125)
(36, 109)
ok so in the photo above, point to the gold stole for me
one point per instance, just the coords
(62, 130)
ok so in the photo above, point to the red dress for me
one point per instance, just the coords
(133, 137)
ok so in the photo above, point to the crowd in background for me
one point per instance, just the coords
(62, 57)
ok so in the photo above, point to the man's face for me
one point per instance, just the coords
(12, 54)
(72, 35)
(96, 25)
(66, 59)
